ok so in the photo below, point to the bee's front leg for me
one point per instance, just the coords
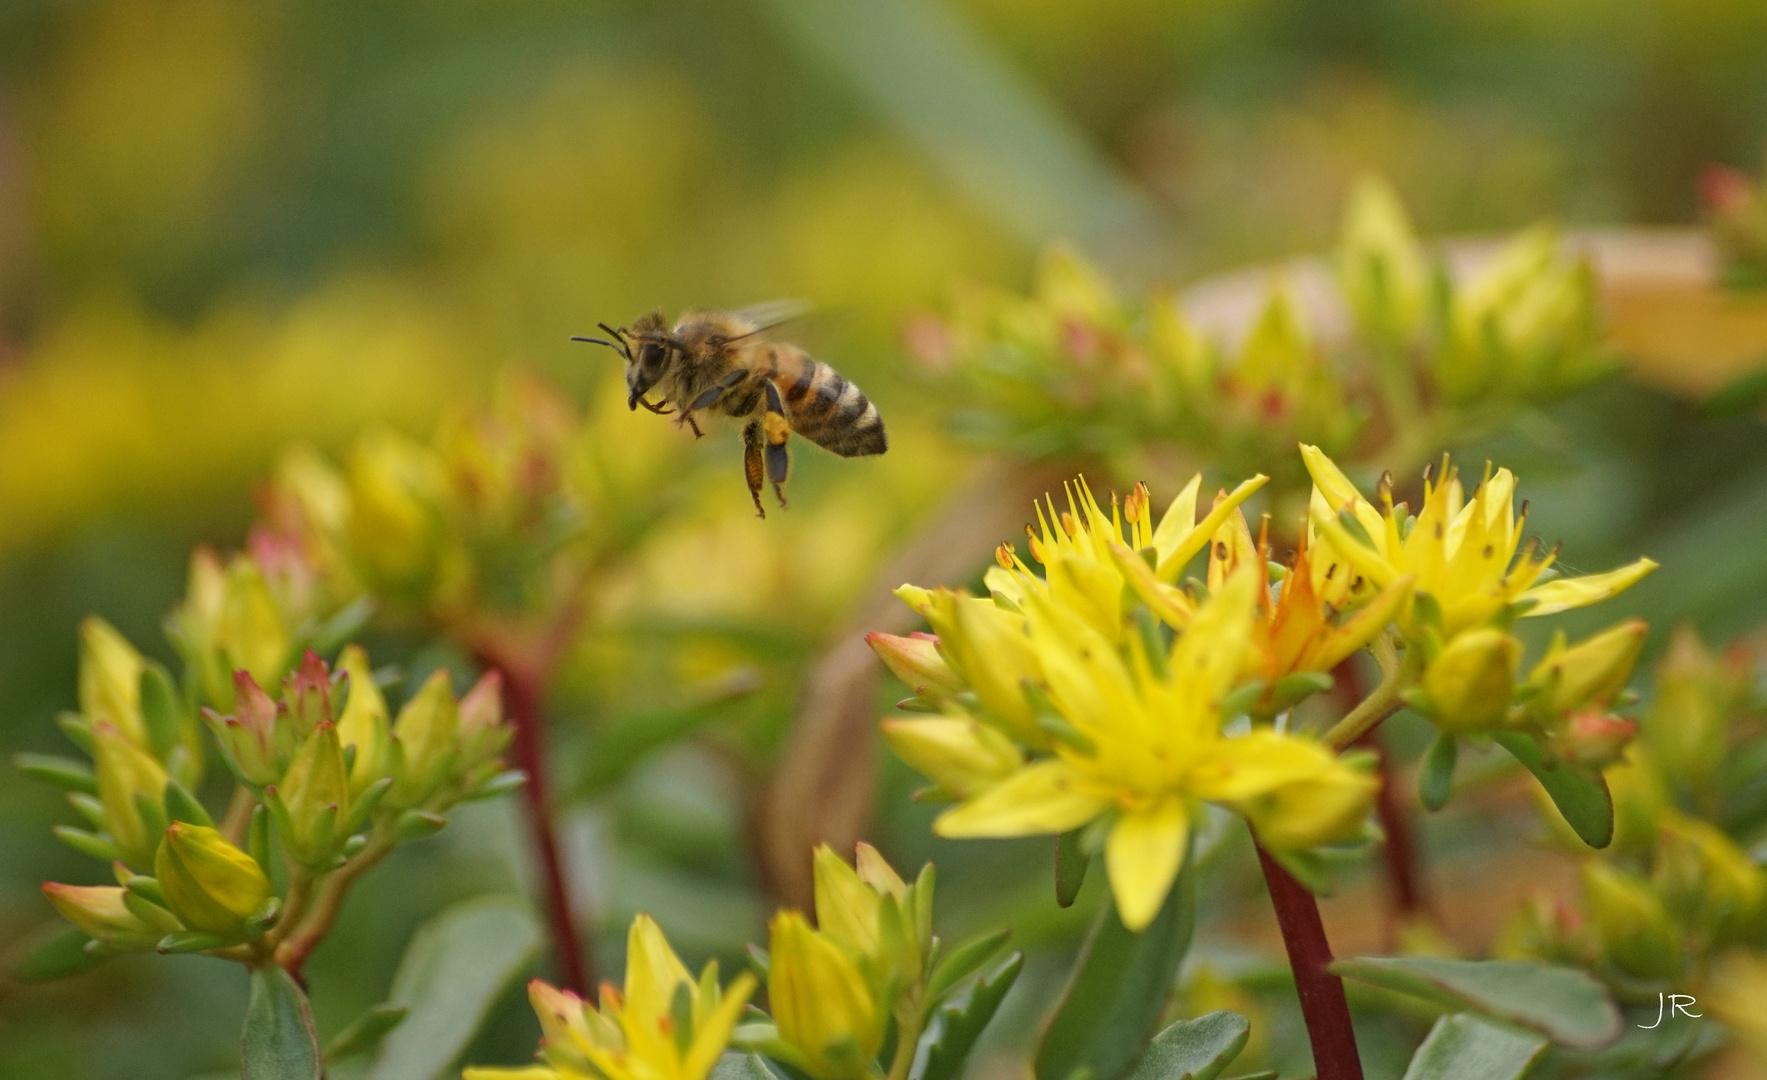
(660, 409)
(752, 467)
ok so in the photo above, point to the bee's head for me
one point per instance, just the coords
(647, 356)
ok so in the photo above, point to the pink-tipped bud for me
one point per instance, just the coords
(916, 661)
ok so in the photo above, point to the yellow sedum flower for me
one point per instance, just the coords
(1088, 556)
(1461, 552)
(1295, 630)
(1147, 748)
(664, 1025)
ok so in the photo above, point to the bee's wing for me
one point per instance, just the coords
(771, 313)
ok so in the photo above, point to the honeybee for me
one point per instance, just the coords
(723, 362)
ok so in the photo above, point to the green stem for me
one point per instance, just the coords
(1384, 702)
(907, 1039)
(293, 950)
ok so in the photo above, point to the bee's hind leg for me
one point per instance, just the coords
(777, 431)
(752, 467)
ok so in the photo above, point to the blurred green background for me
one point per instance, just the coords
(228, 224)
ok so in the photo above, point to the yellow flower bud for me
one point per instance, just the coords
(250, 632)
(209, 884)
(1689, 719)
(916, 661)
(1629, 922)
(820, 1002)
(110, 679)
(127, 773)
(101, 913)
(1328, 807)
(425, 733)
(483, 733)
(1380, 263)
(315, 793)
(1592, 671)
(846, 908)
(1470, 683)
(395, 484)
(194, 623)
(364, 722)
(960, 755)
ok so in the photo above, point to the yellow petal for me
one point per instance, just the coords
(1255, 763)
(1143, 856)
(712, 1033)
(877, 873)
(958, 754)
(653, 971)
(1179, 520)
(1172, 563)
(1339, 493)
(1567, 593)
(1209, 653)
(1362, 627)
(846, 908)
(1169, 604)
(1361, 558)
(1047, 797)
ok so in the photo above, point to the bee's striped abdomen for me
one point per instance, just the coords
(831, 412)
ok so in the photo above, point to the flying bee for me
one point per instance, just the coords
(723, 362)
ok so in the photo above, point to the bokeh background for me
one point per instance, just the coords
(226, 225)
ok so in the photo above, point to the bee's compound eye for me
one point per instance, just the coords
(651, 354)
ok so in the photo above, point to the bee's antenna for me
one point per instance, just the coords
(618, 344)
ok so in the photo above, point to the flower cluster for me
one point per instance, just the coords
(487, 521)
(326, 777)
(1470, 578)
(870, 967)
(1074, 369)
(663, 1025)
(1676, 890)
(1057, 709)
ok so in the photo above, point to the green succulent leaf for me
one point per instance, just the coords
(1580, 795)
(69, 774)
(963, 961)
(365, 1031)
(1117, 991)
(958, 1023)
(278, 1042)
(457, 965)
(1465, 1047)
(1567, 1006)
(1435, 780)
(1195, 1049)
(1071, 861)
(53, 953)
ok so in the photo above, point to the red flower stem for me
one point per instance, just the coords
(521, 693)
(1323, 1006)
(1404, 875)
